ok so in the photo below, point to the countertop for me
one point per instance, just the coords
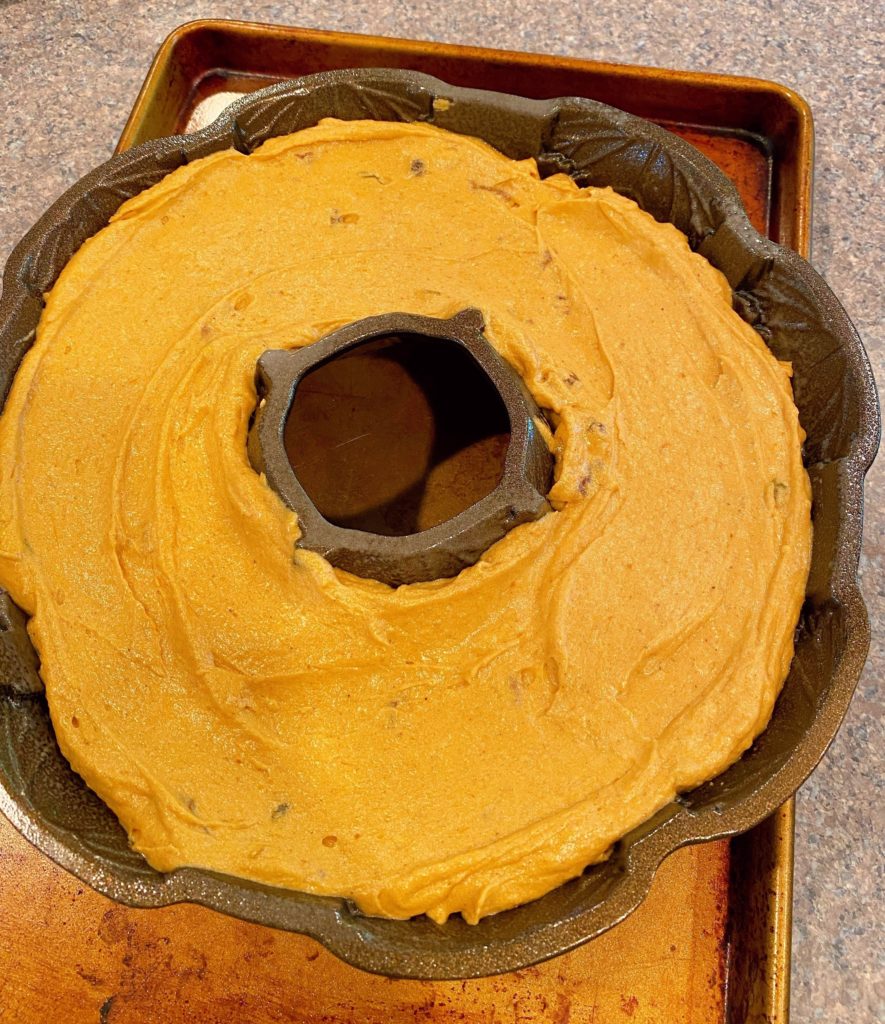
(69, 72)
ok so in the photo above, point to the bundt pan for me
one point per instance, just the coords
(774, 290)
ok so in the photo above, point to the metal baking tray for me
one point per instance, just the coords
(711, 941)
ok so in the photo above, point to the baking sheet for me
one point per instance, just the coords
(711, 942)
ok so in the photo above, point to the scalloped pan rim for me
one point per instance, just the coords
(574, 913)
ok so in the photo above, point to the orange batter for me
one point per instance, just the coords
(462, 745)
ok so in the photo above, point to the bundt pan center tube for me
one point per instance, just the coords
(774, 290)
(452, 545)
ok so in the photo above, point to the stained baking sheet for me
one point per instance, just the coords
(711, 942)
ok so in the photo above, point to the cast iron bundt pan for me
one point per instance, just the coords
(774, 290)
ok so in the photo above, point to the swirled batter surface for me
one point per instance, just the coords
(462, 745)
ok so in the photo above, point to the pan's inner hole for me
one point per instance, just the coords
(397, 435)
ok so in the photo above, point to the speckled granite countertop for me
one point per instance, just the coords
(69, 72)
